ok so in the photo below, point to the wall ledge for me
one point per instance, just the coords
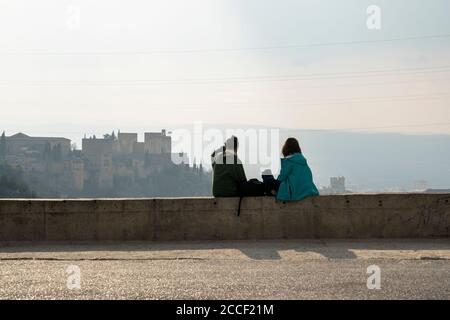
(346, 216)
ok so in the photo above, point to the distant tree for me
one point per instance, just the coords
(111, 136)
(12, 184)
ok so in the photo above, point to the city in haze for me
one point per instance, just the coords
(224, 154)
(336, 75)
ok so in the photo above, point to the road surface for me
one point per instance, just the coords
(409, 269)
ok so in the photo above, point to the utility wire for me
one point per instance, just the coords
(308, 103)
(295, 103)
(311, 76)
(324, 129)
(391, 127)
(262, 48)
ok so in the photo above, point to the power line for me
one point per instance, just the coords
(299, 103)
(262, 48)
(319, 102)
(393, 126)
(311, 76)
(322, 129)
(359, 84)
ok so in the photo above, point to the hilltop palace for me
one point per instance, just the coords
(96, 166)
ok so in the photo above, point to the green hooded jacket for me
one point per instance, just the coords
(296, 179)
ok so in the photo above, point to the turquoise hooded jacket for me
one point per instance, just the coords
(296, 179)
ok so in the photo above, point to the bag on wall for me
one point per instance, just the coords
(250, 188)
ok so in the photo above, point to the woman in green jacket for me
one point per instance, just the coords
(295, 179)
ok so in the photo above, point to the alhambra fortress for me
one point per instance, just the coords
(99, 165)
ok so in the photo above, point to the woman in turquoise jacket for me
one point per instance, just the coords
(295, 179)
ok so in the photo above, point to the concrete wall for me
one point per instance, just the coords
(337, 216)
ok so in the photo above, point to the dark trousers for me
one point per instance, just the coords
(270, 183)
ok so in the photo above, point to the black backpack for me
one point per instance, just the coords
(250, 188)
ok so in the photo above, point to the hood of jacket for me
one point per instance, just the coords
(228, 154)
(297, 158)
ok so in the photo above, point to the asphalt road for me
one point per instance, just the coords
(409, 269)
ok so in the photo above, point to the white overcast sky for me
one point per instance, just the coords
(141, 64)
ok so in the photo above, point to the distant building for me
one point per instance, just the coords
(46, 161)
(94, 148)
(127, 142)
(78, 174)
(437, 191)
(139, 148)
(157, 143)
(420, 185)
(337, 185)
(97, 154)
(21, 143)
(180, 158)
(124, 158)
(101, 164)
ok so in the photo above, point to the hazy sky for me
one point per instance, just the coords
(140, 64)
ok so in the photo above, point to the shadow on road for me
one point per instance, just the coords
(255, 250)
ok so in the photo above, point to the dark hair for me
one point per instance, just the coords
(290, 147)
(232, 143)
